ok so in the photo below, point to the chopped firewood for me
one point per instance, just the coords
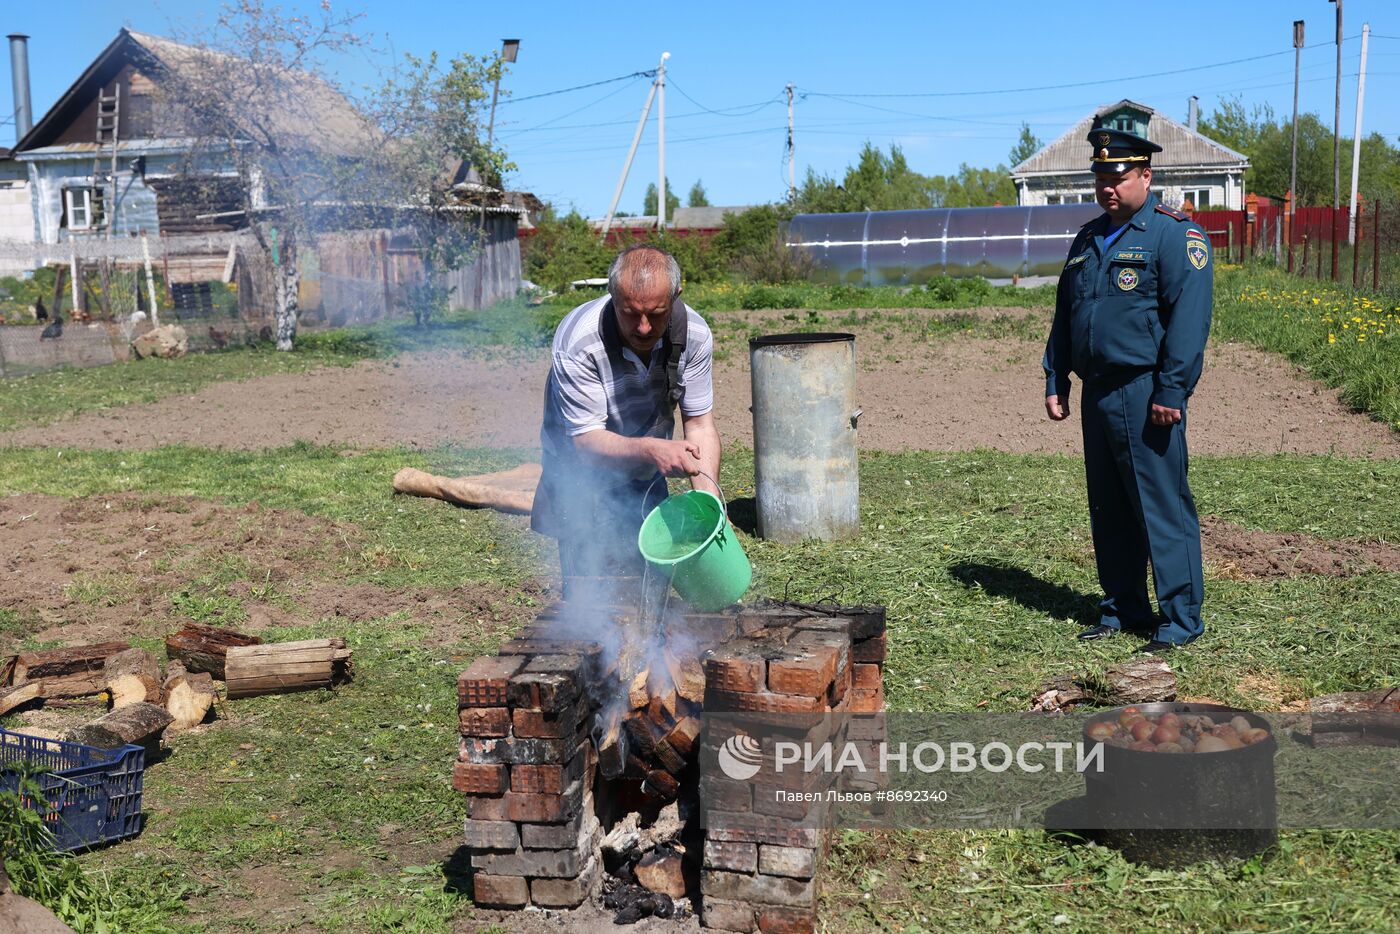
(203, 648)
(612, 749)
(660, 871)
(77, 663)
(133, 677)
(661, 784)
(637, 695)
(661, 710)
(1139, 681)
(682, 738)
(673, 761)
(1354, 718)
(283, 667)
(188, 697)
(641, 737)
(19, 695)
(136, 724)
(687, 675)
(1385, 700)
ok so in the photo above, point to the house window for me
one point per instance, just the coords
(1199, 197)
(82, 208)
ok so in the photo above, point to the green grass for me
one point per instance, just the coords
(1346, 339)
(984, 562)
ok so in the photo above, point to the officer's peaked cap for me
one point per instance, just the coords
(1117, 151)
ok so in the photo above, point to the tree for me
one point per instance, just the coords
(876, 182)
(697, 198)
(673, 200)
(1027, 145)
(1268, 144)
(973, 188)
(255, 96)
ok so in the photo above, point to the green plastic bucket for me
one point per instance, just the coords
(689, 539)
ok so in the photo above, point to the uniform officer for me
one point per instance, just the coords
(1131, 317)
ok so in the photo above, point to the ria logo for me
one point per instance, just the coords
(739, 758)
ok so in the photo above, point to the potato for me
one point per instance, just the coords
(1255, 735)
(1143, 746)
(1166, 733)
(1169, 747)
(1241, 725)
(1101, 731)
(1141, 730)
(1210, 743)
(1169, 719)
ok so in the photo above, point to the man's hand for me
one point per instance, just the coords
(1057, 407)
(675, 458)
(1162, 416)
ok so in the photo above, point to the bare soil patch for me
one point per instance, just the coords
(110, 567)
(1236, 553)
(954, 394)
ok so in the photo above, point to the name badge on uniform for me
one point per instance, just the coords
(1077, 260)
(1128, 279)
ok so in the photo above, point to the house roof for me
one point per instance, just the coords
(306, 112)
(1181, 147)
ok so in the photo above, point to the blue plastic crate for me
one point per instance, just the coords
(93, 795)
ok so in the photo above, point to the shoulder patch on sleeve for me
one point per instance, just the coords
(1197, 253)
(1173, 213)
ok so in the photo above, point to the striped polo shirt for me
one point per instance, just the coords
(597, 381)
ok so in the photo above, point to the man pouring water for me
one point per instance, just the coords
(620, 365)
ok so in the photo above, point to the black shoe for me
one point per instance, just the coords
(1158, 647)
(1098, 632)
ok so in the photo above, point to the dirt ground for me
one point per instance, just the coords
(103, 568)
(955, 395)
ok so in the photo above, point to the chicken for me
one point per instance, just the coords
(265, 333)
(40, 312)
(220, 338)
(54, 330)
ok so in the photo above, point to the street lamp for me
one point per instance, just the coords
(509, 48)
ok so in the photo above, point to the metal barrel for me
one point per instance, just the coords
(804, 430)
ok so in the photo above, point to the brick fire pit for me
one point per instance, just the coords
(538, 804)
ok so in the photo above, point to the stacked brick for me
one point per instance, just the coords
(866, 729)
(526, 766)
(766, 835)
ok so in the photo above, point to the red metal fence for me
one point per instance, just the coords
(1314, 242)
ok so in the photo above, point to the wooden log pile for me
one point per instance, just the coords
(1144, 680)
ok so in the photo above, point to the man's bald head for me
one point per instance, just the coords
(644, 270)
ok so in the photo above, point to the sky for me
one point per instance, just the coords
(949, 82)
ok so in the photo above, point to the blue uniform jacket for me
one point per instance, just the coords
(1143, 303)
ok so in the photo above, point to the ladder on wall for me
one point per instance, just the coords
(108, 122)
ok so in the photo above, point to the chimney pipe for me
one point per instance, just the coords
(19, 78)
(1193, 112)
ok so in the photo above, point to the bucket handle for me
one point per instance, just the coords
(724, 506)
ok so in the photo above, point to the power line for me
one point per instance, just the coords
(1077, 84)
(546, 124)
(651, 73)
(724, 112)
(592, 126)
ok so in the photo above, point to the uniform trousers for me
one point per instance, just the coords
(1141, 510)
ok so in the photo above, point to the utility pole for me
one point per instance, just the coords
(661, 145)
(791, 153)
(1337, 149)
(1297, 63)
(627, 165)
(1356, 142)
